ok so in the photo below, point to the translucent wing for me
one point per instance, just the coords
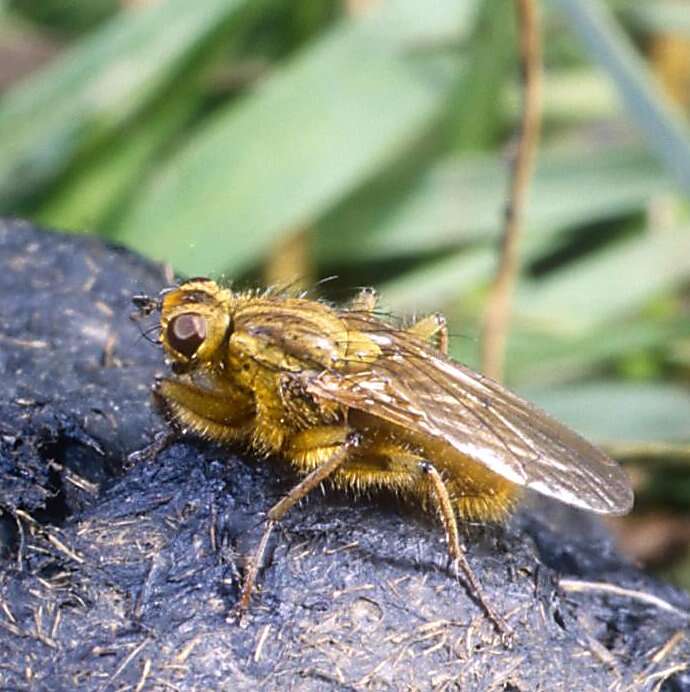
(418, 388)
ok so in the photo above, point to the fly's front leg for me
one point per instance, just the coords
(218, 415)
(433, 329)
(222, 414)
(278, 511)
(445, 508)
(161, 441)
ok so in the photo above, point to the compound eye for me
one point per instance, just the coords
(186, 333)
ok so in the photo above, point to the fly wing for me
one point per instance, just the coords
(418, 388)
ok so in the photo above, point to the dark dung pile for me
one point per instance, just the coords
(125, 577)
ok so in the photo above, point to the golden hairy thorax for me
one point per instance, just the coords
(293, 377)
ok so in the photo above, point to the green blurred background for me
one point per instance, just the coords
(270, 141)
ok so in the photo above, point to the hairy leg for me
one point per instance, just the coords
(223, 416)
(280, 509)
(432, 328)
(439, 492)
(333, 452)
(385, 463)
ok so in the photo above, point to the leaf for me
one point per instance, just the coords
(540, 358)
(315, 129)
(435, 282)
(92, 194)
(571, 96)
(568, 190)
(660, 17)
(476, 114)
(663, 125)
(96, 87)
(619, 411)
(608, 284)
(460, 200)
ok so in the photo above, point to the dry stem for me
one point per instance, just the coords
(499, 303)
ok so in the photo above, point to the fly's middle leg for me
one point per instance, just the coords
(439, 492)
(322, 472)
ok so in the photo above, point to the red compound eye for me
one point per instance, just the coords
(186, 333)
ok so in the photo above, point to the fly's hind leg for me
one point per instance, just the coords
(348, 464)
(411, 474)
(439, 492)
(433, 329)
(337, 458)
(386, 463)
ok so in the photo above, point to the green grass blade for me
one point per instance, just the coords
(620, 411)
(96, 87)
(460, 200)
(92, 195)
(608, 284)
(315, 129)
(664, 127)
(661, 17)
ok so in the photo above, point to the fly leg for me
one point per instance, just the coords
(224, 417)
(440, 494)
(278, 511)
(162, 440)
(187, 406)
(433, 329)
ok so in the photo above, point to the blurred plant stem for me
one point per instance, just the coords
(670, 56)
(290, 262)
(497, 315)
